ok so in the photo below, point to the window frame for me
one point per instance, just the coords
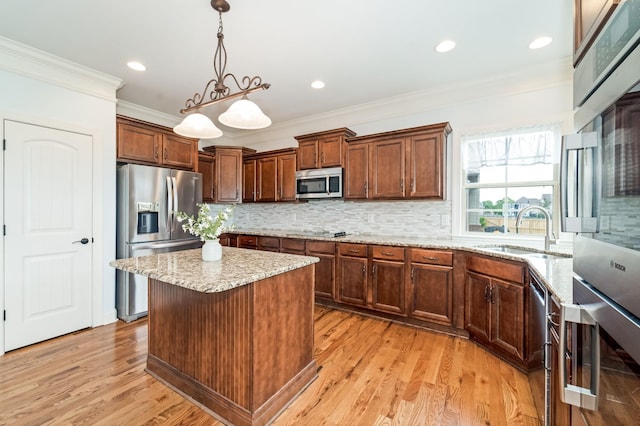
(554, 183)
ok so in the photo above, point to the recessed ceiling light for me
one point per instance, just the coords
(135, 65)
(540, 42)
(445, 46)
(317, 84)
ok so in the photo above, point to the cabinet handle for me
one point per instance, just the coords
(413, 185)
(373, 271)
(550, 319)
(322, 157)
(401, 184)
(155, 151)
(491, 295)
(366, 189)
(434, 259)
(237, 194)
(386, 253)
(486, 294)
(412, 272)
(165, 153)
(354, 251)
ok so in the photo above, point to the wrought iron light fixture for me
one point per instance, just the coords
(243, 114)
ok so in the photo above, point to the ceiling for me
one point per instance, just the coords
(364, 50)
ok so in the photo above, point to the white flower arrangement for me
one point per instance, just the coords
(206, 226)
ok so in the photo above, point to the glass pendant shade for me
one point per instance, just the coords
(244, 114)
(199, 126)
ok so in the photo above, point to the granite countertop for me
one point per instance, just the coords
(236, 268)
(556, 272)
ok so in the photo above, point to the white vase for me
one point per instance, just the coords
(211, 250)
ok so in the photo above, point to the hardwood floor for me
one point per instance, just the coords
(373, 372)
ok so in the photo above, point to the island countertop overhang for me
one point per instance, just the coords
(237, 267)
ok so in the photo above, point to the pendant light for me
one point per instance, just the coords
(242, 114)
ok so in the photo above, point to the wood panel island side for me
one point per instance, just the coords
(236, 335)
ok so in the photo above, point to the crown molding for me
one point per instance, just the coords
(143, 113)
(27, 61)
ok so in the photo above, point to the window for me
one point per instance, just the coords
(505, 173)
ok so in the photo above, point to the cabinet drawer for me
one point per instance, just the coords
(247, 241)
(290, 245)
(502, 269)
(269, 242)
(432, 257)
(321, 247)
(356, 250)
(388, 253)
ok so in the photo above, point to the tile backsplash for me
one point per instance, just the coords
(401, 218)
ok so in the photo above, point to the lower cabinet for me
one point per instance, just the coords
(387, 279)
(268, 244)
(560, 413)
(325, 275)
(248, 242)
(431, 286)
(494, 313)
(352, 274)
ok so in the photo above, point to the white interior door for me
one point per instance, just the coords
(48, 201)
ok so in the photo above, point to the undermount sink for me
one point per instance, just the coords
(524, 252)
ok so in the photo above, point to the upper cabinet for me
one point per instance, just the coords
(221, 168)
(144, 143)
(403, 164)
(269, 176)
(589, 18)
(322, 149)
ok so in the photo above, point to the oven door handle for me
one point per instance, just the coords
(571, 394)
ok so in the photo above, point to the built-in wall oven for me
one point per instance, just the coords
(599, 358)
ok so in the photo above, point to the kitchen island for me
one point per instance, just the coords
(236, 335)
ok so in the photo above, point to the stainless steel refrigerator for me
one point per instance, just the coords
(147, 199)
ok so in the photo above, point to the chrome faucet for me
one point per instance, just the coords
(549, 237)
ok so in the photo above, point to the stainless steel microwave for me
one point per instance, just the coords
(319, 183)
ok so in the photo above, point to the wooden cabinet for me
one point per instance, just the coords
(221, 169)
(387, 279)
(494, 313)
(292, 246)
(356, 171)
(248, 242)
(268, 244)
(144, 143)
(207, 166)
(248, 180)
(274, 177)
(322, 149)
(403, 164)
(352, 274)
(266, 179)
(286, 177)
(387, 169)
(325, 270)
(431, 286)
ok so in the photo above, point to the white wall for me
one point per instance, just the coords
(41, 89)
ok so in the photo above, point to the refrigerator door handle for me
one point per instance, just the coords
(175, 203)
(169, 203)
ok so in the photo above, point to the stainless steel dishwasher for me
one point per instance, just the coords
(538, 338)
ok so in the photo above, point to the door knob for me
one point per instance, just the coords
(82, 241)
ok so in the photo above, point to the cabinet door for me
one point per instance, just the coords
(138, 144)
(248, 242)
(266, 180)
(353, 280)
(207, 166)
(507, 322)
(325, 276)
(476, 315)
(426, 159)
(387, 169)
(179, 152)
(229, 176)
(356, 172)
(330, 151)
(248, 181)
(307, 154)
(388, 291)
(286, 177)
(431, 295)
(559, 412)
